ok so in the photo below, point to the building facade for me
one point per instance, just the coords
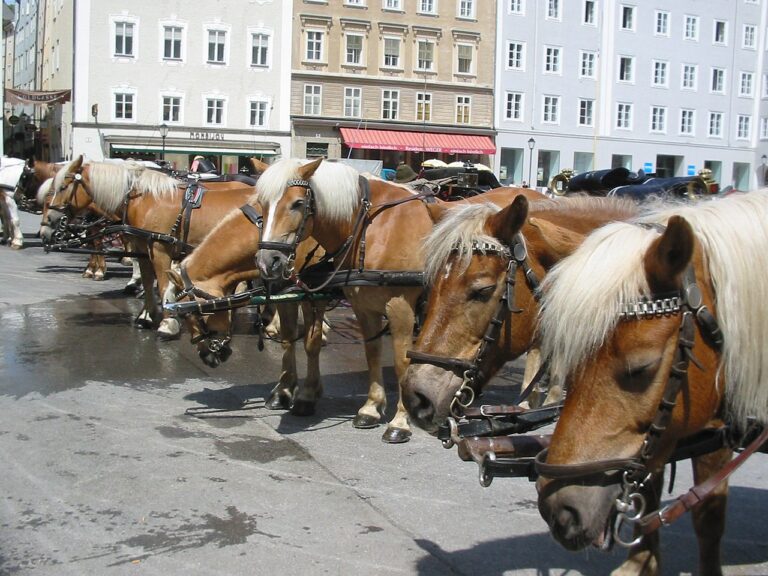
(669, 86)
(182, 78)
(56, 74)
(393, 80)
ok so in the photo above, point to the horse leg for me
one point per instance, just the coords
(281, 396)
(134, 284)
(273, 328)
(372, 411)
(90, 267)
(709, 515)
(18, 236)
(401, 316)
(644, 559)
(147, 317)
(308, 393)
(169, 327)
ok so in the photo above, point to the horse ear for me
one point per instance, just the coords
(175, 279)
(307, 170)
(557, 239)
(258, 165)
(31, 161)
(77, 163)
(669, 255)
(508, 222)
(436, 211)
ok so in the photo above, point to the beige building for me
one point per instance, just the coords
(56, 74)
(393, 80)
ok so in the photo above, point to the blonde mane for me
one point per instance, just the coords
(583, 294)
(335, 185)
(43, 191)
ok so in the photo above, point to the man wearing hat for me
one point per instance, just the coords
(404, 174)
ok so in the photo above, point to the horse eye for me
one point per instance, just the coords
(297, 204)
(482, 294)
(643, 369)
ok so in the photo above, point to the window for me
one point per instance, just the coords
(627, 17)
(466, 8)
(123, 106)
(393, 4)
(317, 150)
(312, 93)
(427, 6)
(658, 119)
(390, 104)
(589, 12)
(214, 111)
(550, 113)
(216, 44)
(352, 102)
(463, 105)
(743, 126)
(426, 51)
(423, 107)
(748, 39)
(586, 112)
(764, 128)
(259, 50)
(551, 59)
(514, 107)
(746, 84)
(464, 54)
(715, 125)
(391, 52)
(624, 116)
(689, 78)
(355, 2)
(516, 7)
(691, 27)
(553, 9)
(171, 108)
(718, 80)
(314, 46)
(258, 111)
(171, 43)
(626, 69)
(660, 76)
(662, 23)
(354, 51)
(124, 39)
(516, 56)
(720, 33)
(687, 121)
(587, 67)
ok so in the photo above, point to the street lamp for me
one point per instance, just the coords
(531, 145)
(163, 133)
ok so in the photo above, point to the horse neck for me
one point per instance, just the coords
(226, 256)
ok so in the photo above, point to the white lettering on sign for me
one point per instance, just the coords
(206, 136)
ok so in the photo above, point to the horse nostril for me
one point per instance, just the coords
(566, 524)
(422, 408)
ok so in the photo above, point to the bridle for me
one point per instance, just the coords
(635, 473)
(20, 190)
(73, 180)
(472, 371)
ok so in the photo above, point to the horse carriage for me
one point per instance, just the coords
(655, 307)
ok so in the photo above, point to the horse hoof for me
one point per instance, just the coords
(88, 274)
(15, 246)
(303, 408)
(167, 336)
(396, 436)
(365, 421)
(98, 277)
(277, 402)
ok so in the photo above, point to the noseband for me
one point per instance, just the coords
(634, 473)
(472, 370)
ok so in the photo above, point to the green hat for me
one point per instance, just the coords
(405, 173)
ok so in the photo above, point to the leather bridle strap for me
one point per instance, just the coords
(456, 365)
(669, 514)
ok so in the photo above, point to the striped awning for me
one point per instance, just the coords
(417, 141)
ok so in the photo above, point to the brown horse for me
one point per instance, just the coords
(331, 203)
(475, 257)
(149, 201)
(34, 174)
(223, 260)
(656, 330)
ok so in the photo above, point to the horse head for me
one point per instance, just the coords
(70, 189)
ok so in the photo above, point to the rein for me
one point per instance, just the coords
(472, 370)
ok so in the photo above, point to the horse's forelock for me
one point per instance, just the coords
(272, 182)
(68, 168)
(454, 235)
(43, 191)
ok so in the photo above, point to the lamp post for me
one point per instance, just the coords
(763, 160)
(531, 146)
(163, 128)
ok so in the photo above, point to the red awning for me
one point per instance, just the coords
(417, 141)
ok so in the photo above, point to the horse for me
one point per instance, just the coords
(150, 202)
(484, 265)
(214, 269)
(655, 329)
(10, 172)
(365, 224)
(33, 175)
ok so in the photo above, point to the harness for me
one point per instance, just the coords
(472, 370)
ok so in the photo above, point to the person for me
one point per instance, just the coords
(525, 184)
(405, 174)
(202, 165)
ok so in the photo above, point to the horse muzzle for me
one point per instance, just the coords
(427, 394)
(273, 265)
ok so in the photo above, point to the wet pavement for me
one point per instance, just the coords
(102, 471)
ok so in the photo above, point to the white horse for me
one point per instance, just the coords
(10, 172)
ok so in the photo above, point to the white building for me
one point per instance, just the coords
(666, 86)
(217, 75)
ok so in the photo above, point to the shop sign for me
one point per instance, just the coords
(206, 136)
